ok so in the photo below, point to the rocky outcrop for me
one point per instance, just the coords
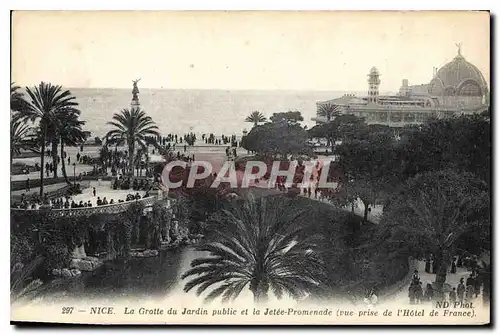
(186, 240)
(85, 264)
(66, 273)
(76, 266)
(145, 253)
(79, 252)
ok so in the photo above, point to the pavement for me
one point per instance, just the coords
(427, 278)
(36, 190)
(103, 190)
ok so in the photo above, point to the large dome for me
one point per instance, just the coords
(458, 77)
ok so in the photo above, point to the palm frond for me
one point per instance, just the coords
(256, 238)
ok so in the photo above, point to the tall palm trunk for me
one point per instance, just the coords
(131, 158)
(259, 290)
(328, 138)
(258, 285)
(443, 261)
(332, 143)
(54, 154)
(63, 166)
(42, 160)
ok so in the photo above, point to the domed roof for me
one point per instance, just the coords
(458, 75)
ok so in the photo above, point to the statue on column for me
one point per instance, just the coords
(135, 90)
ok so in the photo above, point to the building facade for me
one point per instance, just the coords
(456, 88)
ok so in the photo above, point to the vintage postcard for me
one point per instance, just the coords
(246, 167)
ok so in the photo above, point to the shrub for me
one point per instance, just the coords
(57, 256)
(21, 249)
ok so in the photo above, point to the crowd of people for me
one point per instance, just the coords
(51, 166)
(224, 140)
(463, 292)
(104, 201)
(122, 183)
(68, 202)
(190, 139)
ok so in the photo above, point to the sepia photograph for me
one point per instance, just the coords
(250, 167)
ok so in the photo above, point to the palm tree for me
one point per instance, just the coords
(22, 285)
(47, 103)
(255, 243)
(328, 110)
(433, 210)
(17, 102)
(105, 156)
(131, 126)
(70, 134)
(19, 137)
(256, 118)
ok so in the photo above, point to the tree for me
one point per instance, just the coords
(47, 102)
(277, 138)
(22, 284)
(461, 143)
(256, 117)
(254, 244)
(370, 169)
(343, 128)
(105, 156)
(20, 137)
(132, 126)
(291, 117)
(433, 210)
(70, 134)
(17, 101)
(329, 111)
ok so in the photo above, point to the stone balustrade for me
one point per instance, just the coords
(88, 211)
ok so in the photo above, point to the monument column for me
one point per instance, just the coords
(135, 95)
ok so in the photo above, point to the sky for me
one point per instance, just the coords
(242, 50)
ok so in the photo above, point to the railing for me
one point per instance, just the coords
(35, 183)
(87, 211)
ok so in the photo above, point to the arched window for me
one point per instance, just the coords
(435, 88)
(470, 88)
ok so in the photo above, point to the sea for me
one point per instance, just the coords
(178, 111)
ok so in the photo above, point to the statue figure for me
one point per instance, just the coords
(135, 90)
(459, 46)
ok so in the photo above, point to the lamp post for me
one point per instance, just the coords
(74, 174)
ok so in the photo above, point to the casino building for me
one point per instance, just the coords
(456, 88)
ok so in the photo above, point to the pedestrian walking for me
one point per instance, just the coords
(453, 266)
(453, 295)
(461, 290)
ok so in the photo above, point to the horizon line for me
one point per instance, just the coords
(207, 89)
